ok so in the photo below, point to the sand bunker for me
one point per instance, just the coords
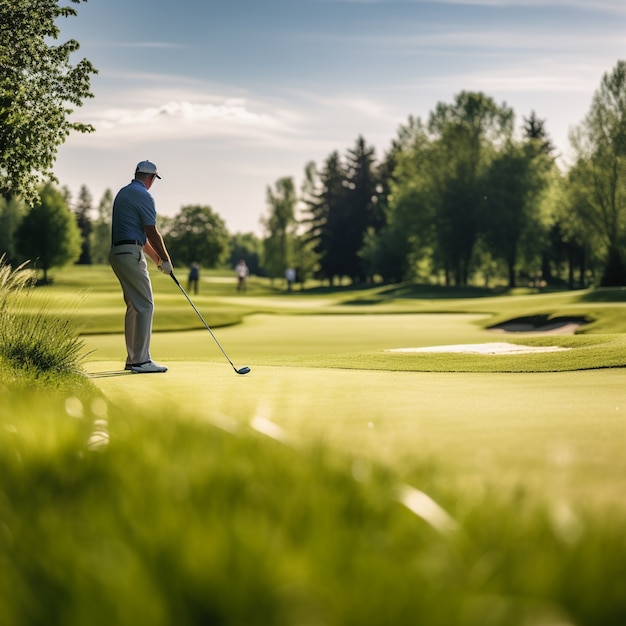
(484, 348)
(541, 325)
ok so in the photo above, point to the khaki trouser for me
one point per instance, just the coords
(129, 264)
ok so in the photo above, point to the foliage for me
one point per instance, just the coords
(535, 131)
(48, 233)
(33, 339)
(278, 245)
(305, 259)
(387, 253)
(249, 247)
(363, 212)
(466, 136)
(411, 223)
(325, 203)
(197, 234)
(598, 177)
(515, 181)
(39, 87)
(342, 204)
(465, 195)
(572, 246)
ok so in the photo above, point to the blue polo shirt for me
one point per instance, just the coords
(133, 208)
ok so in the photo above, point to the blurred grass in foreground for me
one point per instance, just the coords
(109, 518)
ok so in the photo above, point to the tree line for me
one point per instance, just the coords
(462, 197)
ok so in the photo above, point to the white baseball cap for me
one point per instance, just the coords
(147, 167)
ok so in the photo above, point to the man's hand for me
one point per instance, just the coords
(165, 267)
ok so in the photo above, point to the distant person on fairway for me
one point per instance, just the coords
(242, 272)
(194, 275)
(134, 234)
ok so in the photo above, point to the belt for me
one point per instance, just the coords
(126, 242)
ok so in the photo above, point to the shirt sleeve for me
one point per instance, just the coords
(147, 210)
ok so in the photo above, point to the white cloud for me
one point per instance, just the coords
(184, 119)
(185, 112)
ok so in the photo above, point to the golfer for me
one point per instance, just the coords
(134, 234)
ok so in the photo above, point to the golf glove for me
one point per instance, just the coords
(166, 267)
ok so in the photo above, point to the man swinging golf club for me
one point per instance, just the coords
(134, 234)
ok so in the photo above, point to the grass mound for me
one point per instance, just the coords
(582, 352)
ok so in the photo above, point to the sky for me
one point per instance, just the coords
(229, 96)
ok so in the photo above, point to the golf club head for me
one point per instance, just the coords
(243, 370)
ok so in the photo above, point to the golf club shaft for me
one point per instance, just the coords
(203, 321)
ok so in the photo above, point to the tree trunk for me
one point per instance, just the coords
(614, 271)
(511, 268)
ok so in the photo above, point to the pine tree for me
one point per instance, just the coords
(83, 210)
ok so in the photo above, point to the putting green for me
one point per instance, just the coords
(562, 433)
(366, 341)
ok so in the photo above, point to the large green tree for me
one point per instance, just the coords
(48, 236)
(325, 207)
(598, 176)
(439, 186)
(197, 234)
(39, 88)
(388, 251)
(513, 220)
(363, 211)
(327, 216)
(467, 135)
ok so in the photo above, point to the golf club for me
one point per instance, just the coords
(242, 370)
